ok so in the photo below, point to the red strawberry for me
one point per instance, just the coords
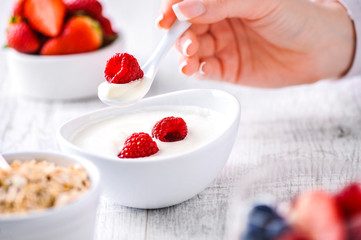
(122, 68)
(21, 37)
(108, 31)
(316, 216)
(349, 200)
(91, 7)
(80, 34)
(18, 8)
(94, 9)
(138, 145)
(170, 129)
(106, 26)
(45, 16)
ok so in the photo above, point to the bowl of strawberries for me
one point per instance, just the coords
(58, 48)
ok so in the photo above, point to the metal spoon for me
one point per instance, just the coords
(3, 163)
(136, 90)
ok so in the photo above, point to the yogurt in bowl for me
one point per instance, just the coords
(107, 136)
(179, 170)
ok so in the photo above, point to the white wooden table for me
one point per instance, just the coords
(290, 140)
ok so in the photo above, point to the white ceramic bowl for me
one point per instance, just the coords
(62, 77)
(74, 221)
(161, 182)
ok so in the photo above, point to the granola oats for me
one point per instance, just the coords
(34, 185)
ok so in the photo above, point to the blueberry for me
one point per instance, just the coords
(264, 223)
(253, 234)
(275, 228)
(261, 215)
(264, 209)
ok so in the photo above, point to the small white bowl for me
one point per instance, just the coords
(74, 221)
(61, 77)
(161, 181)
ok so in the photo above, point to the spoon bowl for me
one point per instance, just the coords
(125, 94)
(130, 93)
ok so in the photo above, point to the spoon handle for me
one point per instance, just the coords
(177, 29)
(3, 163)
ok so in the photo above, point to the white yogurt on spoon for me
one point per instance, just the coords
(128, 92)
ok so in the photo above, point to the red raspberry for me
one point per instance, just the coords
(290, 235)
(170, 129)
(122, 68)
(349, 200)
(138, 145)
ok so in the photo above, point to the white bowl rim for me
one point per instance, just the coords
(157, 158)
(93, 174)
(46, 58)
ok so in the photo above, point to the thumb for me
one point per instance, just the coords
(211, 11)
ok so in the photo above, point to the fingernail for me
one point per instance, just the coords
(158, 20)
(181, 66)
(201, 68)
(188, 9)
(187, 43)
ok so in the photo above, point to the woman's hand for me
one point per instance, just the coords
(264, 43)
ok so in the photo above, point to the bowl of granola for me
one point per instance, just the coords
(48, 195)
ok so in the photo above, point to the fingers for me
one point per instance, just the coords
(167, 17)
(189, 9)
(187, 44)
(210, 67)
(223, 34)
(223, 67)
(207, 45)
(210, 54)
(227, 48)
(212, 11)
(229, 64)
(218, 37)
(188, 65)
(190, 44)
(199, 29)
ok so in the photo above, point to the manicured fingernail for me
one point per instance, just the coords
(158, 20)
(181, 66)
(187, 43)
(188, 9)
(201, 68)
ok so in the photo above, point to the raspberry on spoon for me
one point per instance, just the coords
(115, 94)
(122, 68)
